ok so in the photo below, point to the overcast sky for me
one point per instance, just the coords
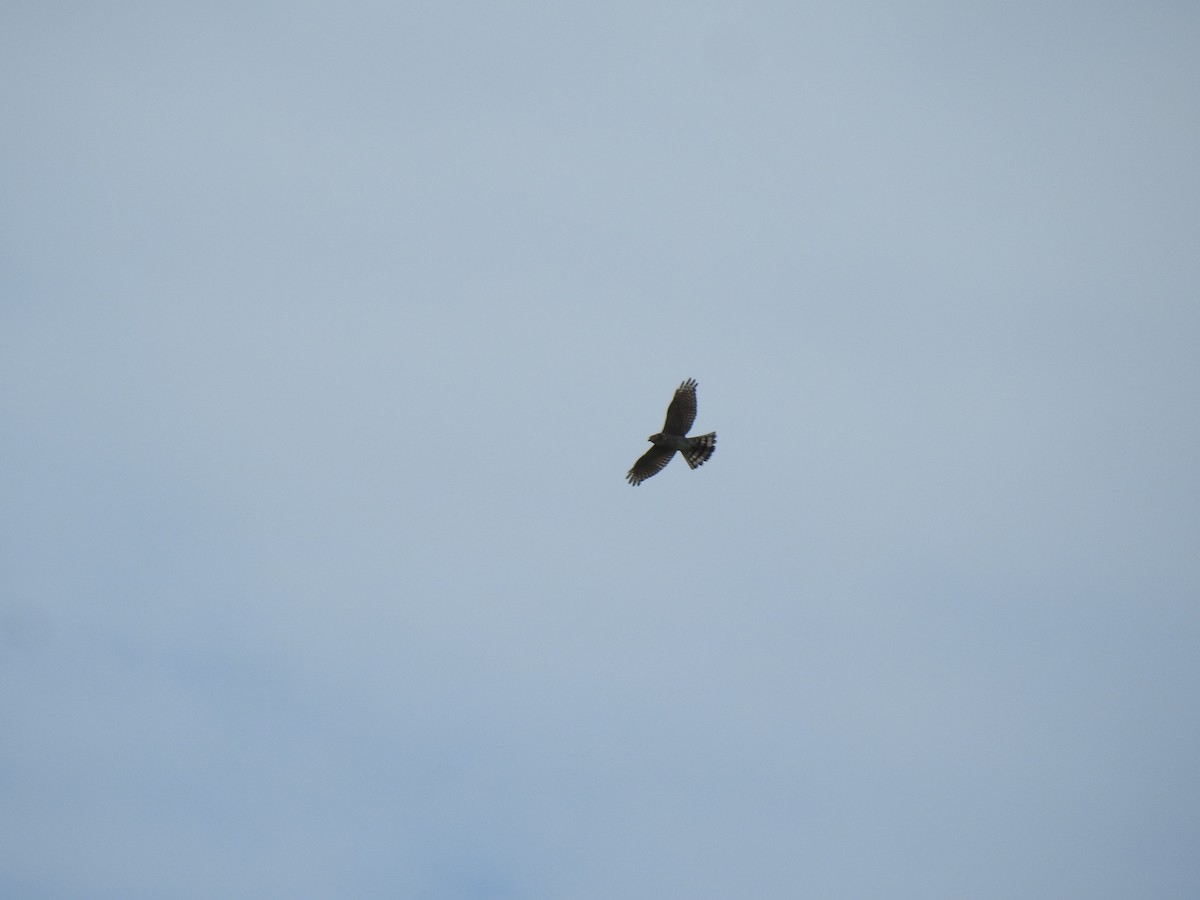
(329, 331)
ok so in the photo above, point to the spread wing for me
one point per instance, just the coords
(682, 411)
(652, 462)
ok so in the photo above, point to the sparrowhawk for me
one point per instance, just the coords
(680, 416)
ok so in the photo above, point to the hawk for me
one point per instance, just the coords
(680, 416)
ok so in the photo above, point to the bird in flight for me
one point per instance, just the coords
(680, 416)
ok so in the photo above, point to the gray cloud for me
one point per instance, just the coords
(329, 335)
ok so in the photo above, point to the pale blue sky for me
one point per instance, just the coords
(327, 335)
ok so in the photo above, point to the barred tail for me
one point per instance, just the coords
(702, 448)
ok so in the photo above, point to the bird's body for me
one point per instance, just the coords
(670, 441)
(673, 438)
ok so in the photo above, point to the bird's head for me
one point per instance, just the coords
(654, 438)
